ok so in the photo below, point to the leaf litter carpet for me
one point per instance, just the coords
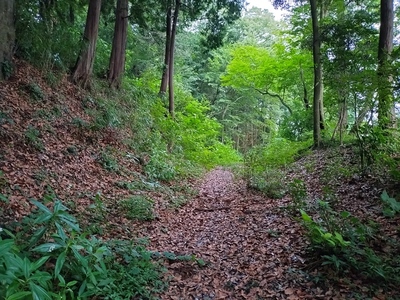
(252, 250)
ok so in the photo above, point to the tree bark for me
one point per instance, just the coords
(84, 65)
(171, 101)
(7, 37)
(305, 93)
(318, 88)
(117, 59)
(164, 78)
(386, 116)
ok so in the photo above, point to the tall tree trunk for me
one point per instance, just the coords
(164, 78)
(318, 88)
(386, 116)
(7, 37)
(84, 65)
(117, 59)
(171, 101)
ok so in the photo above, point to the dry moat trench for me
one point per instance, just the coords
(251, 246)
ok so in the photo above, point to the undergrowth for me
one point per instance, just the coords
(344, 243)
(174, 148)
(47, 256)
(264, 166)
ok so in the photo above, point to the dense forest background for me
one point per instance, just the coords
(134, 99)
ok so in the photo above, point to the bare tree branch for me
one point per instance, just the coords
(276, 96)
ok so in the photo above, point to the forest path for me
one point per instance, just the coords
(250, 246)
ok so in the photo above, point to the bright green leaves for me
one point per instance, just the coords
(59, 263)
(391, 205)
(274, 68)
(248, 67)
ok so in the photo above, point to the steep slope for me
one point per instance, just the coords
(48, 145)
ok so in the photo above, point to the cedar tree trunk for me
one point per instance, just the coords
(117, 59)
(386, 117)
(164, 79)
(171, 60)
(84, 64)
(7, 37)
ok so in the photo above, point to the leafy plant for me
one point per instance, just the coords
(270, 182)
(33, 137)
(391, 205)
(7, 69)
(49, 258)
(138, 207)
(342, 241)
(321, 236)
(35, 91)
(298, 191)
(160, 167)
(108, 161)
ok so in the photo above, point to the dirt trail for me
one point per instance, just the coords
(245, 239)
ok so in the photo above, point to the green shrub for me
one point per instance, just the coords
(344, 242)
(391, 205)
(35, 92)
(278, 153)
(161, 166)
(138, 207)
(49, 258)
(108, 160)
(33, 137)
(271, 182)
(297, 189)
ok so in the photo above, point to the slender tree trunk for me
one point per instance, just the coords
(171, 101)
(342, 121)
(305, 93)
(318, 88)
(117, 59)
(361, 114)
(7, 37)
(164, 78)
(84, 65)
(386, 117)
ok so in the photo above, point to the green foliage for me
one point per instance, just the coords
(35, 91)
(160, 166)
(278, 153)
(138, 207)
(271, 182)
(195, 135)
(297, 126)
(379, 148)
(53, 79)
(320, 234)
(52, 40)
(7, 69)
(49, 258)
(391, 205)
(33, 137)
(344, 242)
(298, 191)
(262, 165)
(108, 161)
